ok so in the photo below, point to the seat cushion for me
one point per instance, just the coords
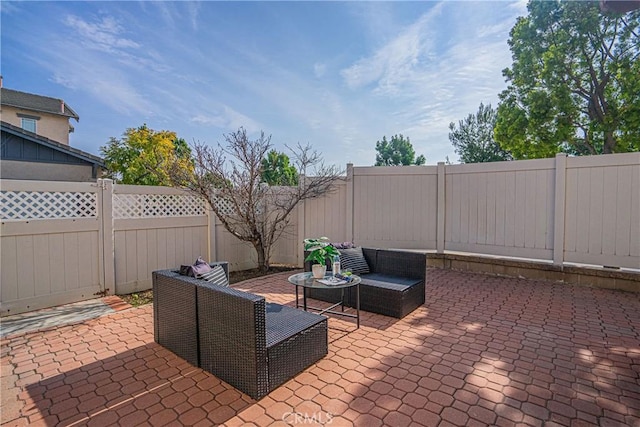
(386, 281)
(283, 322)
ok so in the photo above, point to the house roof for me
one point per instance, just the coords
(41, 140)
(30, 101)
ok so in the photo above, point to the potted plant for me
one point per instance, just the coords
(319, 252)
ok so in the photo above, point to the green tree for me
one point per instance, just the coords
(574, 82)
(144, 156)
(276, 170)
(473, 138)
(397, 152)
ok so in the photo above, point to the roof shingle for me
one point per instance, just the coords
(30, 101)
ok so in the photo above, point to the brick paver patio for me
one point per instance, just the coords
(482, 351)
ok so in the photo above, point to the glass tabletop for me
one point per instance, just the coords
(306, 279)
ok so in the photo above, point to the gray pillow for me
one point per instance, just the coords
(216, 276)
(353, 259)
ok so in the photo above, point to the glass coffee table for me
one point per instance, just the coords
(306, 281)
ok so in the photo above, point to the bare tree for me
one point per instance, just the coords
(229, 178)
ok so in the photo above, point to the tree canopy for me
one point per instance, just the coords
(277, 170)
(144, 156)
(473, 139)
(397, 152)
(574, 84)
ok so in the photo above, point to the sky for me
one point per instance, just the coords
(335, 75)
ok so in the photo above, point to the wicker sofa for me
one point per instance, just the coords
(394, 287)
(253, 345)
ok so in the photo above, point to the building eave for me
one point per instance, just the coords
(30, 136)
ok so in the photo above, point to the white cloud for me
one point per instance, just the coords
(394, 63)
(9, 7)
(152, 60)
(226, 118)
(103, 82)
(193, 9)
(319, 70)
(102, 35)
(436, 71)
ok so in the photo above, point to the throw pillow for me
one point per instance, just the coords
(186, 270)
(200, 261)
(353, 259)
(216, 276)
(200, 269)
(343, 245)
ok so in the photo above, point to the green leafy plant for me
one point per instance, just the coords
(319, 250)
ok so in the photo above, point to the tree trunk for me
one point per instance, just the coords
(263, 262)
(610, 142)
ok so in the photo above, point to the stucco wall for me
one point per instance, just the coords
(10, 169)
(49, 125)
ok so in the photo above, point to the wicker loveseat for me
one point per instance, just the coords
(394, 287)
(253, 345)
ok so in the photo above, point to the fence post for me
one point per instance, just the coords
(349, 203)
(108, 252)
(440, 244)
(559, 209)
(211, 228)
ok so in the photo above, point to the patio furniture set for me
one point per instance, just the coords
(393, 284)
(255, 345)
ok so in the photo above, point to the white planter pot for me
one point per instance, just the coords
(318, 270)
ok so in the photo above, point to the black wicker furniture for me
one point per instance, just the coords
(253, 345)
(175, 321)
(395, 285)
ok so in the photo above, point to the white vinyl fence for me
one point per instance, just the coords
(602, 210)
(155, 228)
(51, 244)
(62, 242)
(583, 210)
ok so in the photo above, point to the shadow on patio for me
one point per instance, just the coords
(483, 350)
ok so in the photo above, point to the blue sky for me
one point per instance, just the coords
(336, 75)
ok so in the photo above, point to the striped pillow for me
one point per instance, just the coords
(353, 259)
(216, 276)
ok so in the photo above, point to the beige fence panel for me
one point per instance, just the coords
(603, 210)
(285, 249)
(325, 216)
(155, 228)
(395, 206)
(502, 208)
(49, 244)
(240, 255)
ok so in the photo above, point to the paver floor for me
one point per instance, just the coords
(61, 315)
(482, 351)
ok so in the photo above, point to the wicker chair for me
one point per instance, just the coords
(175, 321)
(253, 345)
(394, 287)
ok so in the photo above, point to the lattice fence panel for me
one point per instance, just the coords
(129, 206)
(224, 205)
(19, 205)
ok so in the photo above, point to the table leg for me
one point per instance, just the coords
(358, 304)
(297, 304)
(304, 297)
